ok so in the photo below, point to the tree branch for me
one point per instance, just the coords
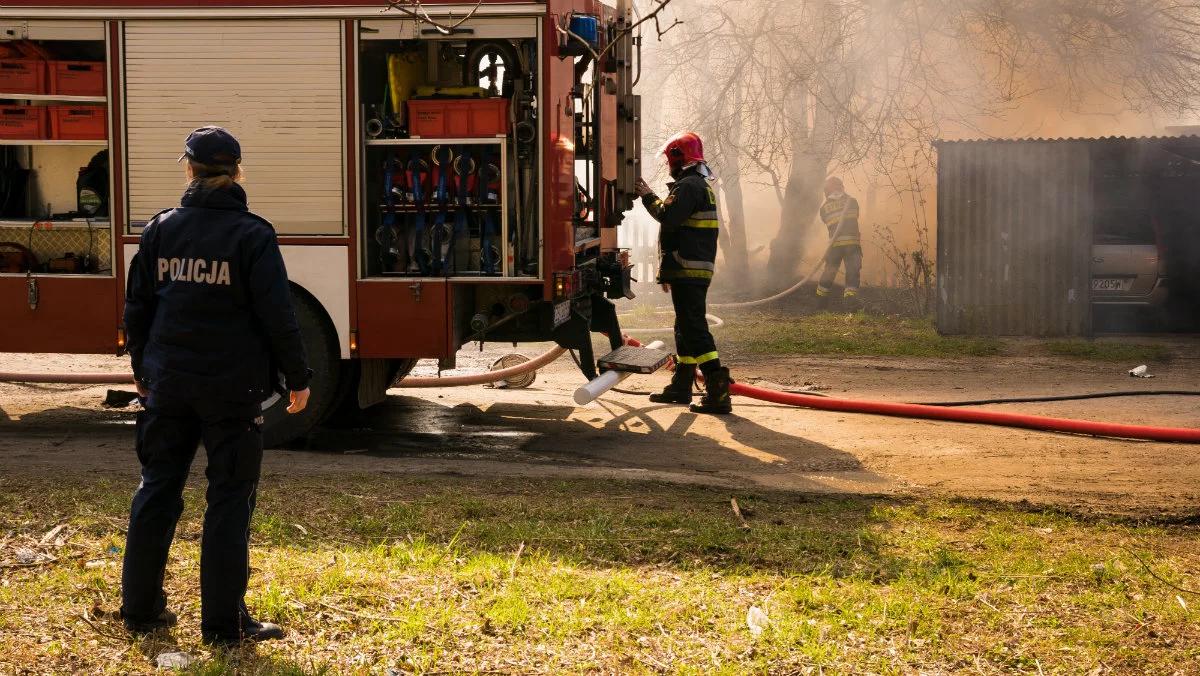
(415, 10)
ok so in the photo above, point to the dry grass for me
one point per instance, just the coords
(868, 335)
(458, 575)
(828, 333)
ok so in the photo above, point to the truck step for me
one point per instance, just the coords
(634, 360)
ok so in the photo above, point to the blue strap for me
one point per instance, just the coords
(489, 256)
(462, 174)
(387, 227)
(389, 215)
(418, 191)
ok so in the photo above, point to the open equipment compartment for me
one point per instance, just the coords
(450, 185)
(54, 164)
(443, 208)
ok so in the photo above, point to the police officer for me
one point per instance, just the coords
(208, 318)
(840, 214)
(688, 240)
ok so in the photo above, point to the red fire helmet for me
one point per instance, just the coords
(683, 149)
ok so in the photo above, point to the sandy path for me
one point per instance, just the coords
(539, 432)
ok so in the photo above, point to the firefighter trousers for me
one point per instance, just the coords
(852, 258)
(694, 342)
(169, 431)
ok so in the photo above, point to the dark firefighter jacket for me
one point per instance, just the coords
(841, 219)
(688, 237)
(208, 311)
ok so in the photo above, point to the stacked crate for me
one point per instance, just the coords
(28, 69)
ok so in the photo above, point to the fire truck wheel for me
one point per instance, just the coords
(320, 344)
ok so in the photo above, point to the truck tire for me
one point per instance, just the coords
(321, 346)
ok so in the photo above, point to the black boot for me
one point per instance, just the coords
(254, 632)
(716, 395)
(680, 389)
(164, 620)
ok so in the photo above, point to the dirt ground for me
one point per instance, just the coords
(539, 432)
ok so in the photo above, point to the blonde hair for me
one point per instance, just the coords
(212, 176)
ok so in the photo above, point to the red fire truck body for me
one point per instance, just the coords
(334, 102)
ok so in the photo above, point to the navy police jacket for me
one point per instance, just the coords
(208, 311)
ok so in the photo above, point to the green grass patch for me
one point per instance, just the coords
(865, 335)
(460, 575)
(856, 334)
(1109, 352)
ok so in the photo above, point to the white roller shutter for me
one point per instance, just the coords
(276, 84)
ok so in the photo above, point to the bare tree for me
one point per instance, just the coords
(792, 90)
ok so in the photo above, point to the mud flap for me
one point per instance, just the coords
(374, 377)
(588, 314)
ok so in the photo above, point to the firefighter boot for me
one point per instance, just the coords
(716, 396)
(680, 389)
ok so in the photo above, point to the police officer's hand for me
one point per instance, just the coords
(666, 288)
(642, 188)
(297, 401)
(142, 390)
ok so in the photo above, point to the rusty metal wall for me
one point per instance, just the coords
(1014, 237)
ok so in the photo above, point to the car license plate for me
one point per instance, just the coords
(1111, 284)
(562, 313)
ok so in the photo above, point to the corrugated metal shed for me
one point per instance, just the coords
(1014, 225)
(1015, 221)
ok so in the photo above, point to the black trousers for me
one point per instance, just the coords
(168, 434)
(693, 340)
(852, 257)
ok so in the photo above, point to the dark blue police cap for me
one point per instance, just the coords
(212, 145)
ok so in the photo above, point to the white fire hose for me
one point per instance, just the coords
(606, 381)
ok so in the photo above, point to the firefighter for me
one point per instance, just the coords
(840, 213)
(688, 243)
(208, 318)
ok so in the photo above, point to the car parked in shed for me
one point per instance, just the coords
(1128, 266)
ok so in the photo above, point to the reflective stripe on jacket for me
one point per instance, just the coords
(840, 217)
(690, 228)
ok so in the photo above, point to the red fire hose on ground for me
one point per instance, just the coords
(964, 415)
(968, 415)
(821, 403)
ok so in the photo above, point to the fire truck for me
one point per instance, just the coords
(437, 174)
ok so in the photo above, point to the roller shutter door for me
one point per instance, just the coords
(277, 85)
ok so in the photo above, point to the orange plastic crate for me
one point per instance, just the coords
(77, 78)
(22, 76)
(458, 118)
(78, 123)
(22, 122)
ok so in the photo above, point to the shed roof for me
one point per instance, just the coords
(1187, 139)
